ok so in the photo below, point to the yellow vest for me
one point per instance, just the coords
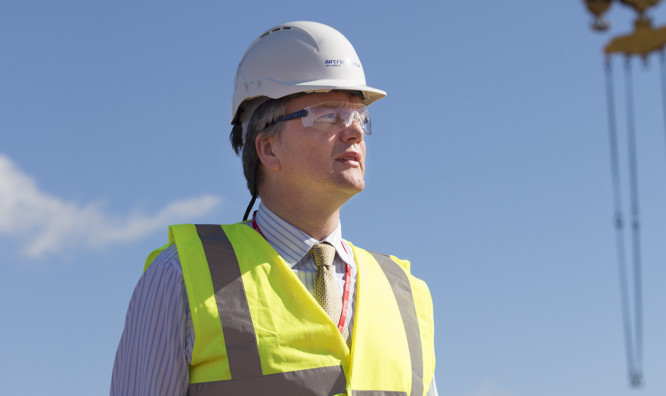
(259, 331)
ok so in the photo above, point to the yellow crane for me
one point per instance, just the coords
(644, 40)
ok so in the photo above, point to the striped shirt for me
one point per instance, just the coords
(155, 348)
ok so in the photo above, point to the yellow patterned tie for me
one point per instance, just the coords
(327, 290)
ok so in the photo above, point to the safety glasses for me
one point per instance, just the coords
(331, 116)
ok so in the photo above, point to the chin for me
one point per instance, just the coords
(348, 182)
(355, 186)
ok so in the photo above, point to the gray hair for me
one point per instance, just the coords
(244, 143)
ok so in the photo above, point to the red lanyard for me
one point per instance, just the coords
(345, 295)
(345, 299)
(256, 227)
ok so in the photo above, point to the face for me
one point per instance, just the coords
(317, 161)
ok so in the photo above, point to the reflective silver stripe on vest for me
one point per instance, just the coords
(402, 290)
(239, 337)
(322, 381)
(378, 393)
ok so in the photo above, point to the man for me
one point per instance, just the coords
(281, 304)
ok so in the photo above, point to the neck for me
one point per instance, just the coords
(315, 217)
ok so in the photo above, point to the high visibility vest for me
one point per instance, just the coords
(259, 331)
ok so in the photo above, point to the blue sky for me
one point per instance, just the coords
(488, 169)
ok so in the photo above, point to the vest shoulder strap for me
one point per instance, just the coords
(402, 290)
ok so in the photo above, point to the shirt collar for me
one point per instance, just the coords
(293, 244)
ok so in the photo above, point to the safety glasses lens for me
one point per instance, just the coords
(334, 116)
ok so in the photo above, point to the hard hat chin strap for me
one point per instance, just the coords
(249, 207)
(255, 191)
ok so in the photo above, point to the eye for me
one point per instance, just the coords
(329, 117)
(363, 117)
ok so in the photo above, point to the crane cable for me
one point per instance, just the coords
(663, 85)
(633, 346)
(635, 221)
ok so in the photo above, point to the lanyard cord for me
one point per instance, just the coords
(633, 357)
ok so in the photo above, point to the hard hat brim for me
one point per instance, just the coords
(278, 90)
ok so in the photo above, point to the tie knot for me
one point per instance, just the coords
(323, 254)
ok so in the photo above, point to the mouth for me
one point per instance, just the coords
(350, 157)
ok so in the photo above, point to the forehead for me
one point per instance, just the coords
(300, 102)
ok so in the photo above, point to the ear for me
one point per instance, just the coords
(265, 146)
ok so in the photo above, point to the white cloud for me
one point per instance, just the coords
(49, 224)
(489, 387)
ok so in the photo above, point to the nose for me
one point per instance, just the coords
(353, 132)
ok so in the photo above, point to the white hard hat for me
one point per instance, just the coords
(299, 57)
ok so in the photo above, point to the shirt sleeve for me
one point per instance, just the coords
(432, 391)
(152, 356)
